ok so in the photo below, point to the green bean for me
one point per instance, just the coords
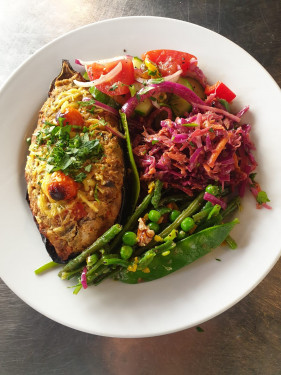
(70, 274)
(201, 215)
(232, 206)
(116, 262)
(191, 209)
(231, 242)
(157, 194)
(132, 220)
(173, 198)
(97, 245)
(46, 267)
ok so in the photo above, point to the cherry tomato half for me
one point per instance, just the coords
(72, 117)
(62, 187)
(117, 85)
(169, 61)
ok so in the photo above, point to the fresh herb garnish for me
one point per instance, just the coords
(88, 168)
(87, 103)
(113, 87)
(154, 141)
(252, 176)
(68, 154)
(133, 90)
(199, 329)
(262, 197)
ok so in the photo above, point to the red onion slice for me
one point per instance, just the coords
(105, 61)
(84, 278)
(170, 87)
(171, 78)
(214, 200)
(106, 107)
(103, 78)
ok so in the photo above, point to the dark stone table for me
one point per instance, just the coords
(246, 339)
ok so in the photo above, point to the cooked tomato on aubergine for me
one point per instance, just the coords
(74, 170)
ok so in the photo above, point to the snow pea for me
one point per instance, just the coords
(185, 252)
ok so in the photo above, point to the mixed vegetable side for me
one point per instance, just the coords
(190, 161)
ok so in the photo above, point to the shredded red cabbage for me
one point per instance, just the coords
(191, 157)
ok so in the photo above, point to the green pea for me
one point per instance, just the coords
(181, 235)
(187, 224)
(212, 189)
(126, 252)
(154, 226)
(129, 238)
(174, 215)
(154, 216)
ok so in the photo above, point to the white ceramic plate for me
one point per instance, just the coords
(191, 295)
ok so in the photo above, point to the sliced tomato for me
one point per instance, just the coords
(169, 61)
(117, 85)
(221, 91)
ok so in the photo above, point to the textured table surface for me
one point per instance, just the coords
(246, 339)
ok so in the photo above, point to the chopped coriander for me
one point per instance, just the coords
(88, 168)
(80, 177)
(87, 103)
(262, 197)
(154, 141)
(252, 176)
(199, 329)
(153, 99)
(60, 120)
(65, 153)
(114, 87)
(28, 141)
(218, 259)
(192, 144)
(211, 130)
(133, 90)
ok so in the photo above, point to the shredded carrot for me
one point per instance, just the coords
(236, 162)
(207, 168)
(217, 151)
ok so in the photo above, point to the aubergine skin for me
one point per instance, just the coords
(69, 226)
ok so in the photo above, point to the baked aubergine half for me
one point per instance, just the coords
(74, 170)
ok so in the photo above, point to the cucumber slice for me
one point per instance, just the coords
(137, 62)
(102, 97)
(144, 108)
(179, 105)
(197, 88)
